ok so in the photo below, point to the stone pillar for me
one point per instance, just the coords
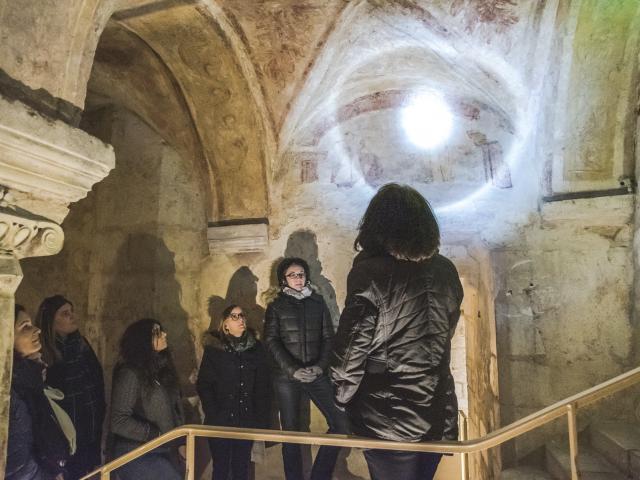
(22, 234)
(45, 165)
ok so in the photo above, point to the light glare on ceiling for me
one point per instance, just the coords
(427, 120)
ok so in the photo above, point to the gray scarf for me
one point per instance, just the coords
(300, 295)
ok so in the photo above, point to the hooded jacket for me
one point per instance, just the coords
(234, 386)
(390, 364)
(298, 332)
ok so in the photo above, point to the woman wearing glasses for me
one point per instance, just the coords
(145, 402)
(298, 335)
(235, 388)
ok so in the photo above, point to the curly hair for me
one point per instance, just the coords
(400, 222)
(286, 263)
(137, 352)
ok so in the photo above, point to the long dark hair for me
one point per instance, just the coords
(399, 221)
(44, 321)
(136, 352)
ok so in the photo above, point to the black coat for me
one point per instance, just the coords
(34, 432)
(391, 359)
(234, 387)
(79, 376)
(298, 333)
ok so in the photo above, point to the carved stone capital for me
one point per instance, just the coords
(52, 163)
(23, 234)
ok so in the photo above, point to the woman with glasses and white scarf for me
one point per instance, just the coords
(298, 335)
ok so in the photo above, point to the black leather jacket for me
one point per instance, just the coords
(391, 357)
(298, 333)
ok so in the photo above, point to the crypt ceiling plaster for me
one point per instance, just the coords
(283, 39)
(220, 105)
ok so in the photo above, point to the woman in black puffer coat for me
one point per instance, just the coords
(234, 385)
(298, 335)
(390, 366)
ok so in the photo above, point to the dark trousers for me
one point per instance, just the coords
(321, 394)
(230, 456)
(389, 464)
(86, 459)
(155, 465)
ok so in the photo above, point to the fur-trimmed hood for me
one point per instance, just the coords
(213, 338)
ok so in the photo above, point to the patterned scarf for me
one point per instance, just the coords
(239, 344)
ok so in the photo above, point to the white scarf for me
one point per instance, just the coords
(302, 294)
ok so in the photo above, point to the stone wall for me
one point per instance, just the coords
(563, 303)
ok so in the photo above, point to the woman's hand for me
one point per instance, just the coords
(182, 451)
(304, 375)
(59, 477)
(315, 370)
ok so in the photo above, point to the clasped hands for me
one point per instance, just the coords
(308, 374)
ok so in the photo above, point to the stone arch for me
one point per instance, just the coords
(71, 36)
(201, 59)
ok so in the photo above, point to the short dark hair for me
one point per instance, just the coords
(286, 263)
(400, 222)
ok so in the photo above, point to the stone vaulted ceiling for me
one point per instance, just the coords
(265, 91)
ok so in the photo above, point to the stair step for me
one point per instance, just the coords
(619, 443)
(524, 473)
(591, 464)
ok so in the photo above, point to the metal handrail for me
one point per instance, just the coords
(568, 407)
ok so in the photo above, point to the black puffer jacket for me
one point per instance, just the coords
(298, 333)
(234, 387)
(391, 359)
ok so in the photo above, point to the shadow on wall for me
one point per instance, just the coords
(242, 291)
(142, 283)
(304, 244)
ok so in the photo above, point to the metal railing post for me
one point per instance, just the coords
(573, 440)
(191, 455)
(464, 457)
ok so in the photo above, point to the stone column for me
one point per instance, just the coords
(22, 234)
(45, 165)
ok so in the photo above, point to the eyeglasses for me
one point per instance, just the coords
(295, 275)
(237, 316)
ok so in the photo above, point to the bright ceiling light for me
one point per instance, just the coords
(427, 120)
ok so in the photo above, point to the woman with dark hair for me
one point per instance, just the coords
(298, 335)
(74, 369)
(145, 402)
(235, 388)
(390, 366)
(37, 448)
